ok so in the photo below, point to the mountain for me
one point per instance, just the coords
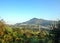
(36, 21)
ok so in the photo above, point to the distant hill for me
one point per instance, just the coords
(36, 21)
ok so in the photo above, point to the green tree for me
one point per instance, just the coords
(56, 31)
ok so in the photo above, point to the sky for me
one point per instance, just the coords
(17, 11)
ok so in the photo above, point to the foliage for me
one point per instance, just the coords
(56, 33)
(17, 35)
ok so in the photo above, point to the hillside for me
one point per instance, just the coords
(36, 21)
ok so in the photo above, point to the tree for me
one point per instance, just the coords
(56, 31)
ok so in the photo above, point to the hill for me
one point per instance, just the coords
(36, 21)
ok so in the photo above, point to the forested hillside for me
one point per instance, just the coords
(17, 35)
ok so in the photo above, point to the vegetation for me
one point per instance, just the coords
(17, 35)
(56, 32)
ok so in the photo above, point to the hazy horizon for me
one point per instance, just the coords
(17, 11)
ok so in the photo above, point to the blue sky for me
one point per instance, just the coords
(15, 11)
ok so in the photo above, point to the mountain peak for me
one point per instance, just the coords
(34, 19)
